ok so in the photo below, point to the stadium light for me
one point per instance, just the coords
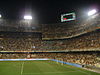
(0, 16)
(28, 17)
(92, 12)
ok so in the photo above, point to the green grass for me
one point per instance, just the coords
(40, 68)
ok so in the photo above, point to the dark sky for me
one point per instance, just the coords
(45, 11)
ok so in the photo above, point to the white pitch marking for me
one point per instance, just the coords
(22, 68)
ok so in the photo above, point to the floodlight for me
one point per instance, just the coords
(92, 12)
(27, 17)
(0, 16)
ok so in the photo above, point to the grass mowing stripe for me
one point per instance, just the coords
(22, 67)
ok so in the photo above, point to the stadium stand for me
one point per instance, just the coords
(70, 29)
(73, 42)
(89, 41)
(25, 42)
(17, 41)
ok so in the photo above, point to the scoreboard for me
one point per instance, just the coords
(68, 17)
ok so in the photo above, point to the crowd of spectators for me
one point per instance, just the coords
(13, 56)
(89, 41)
(65, 31)
(19, 44)
(23, 42)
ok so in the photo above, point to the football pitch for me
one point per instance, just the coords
(45, 67)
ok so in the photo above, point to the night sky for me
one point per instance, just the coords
(45, 11)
